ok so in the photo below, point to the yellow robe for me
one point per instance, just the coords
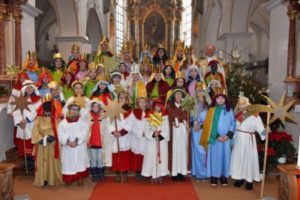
(47, 167)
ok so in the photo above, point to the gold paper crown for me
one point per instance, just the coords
(102, 78)
(47, 98)
(160, 45)
(93, 66)
(169, 63)
(104, 40)
(83, 57)
(57, 56)
(75, 83)
(141, 90)
(180, 74)
(52, 85)
(179, 45)
(74, 103)
(31, 55)
(218, 91)
(200, 86)
(120, 90)
(127, 47)
(188, 49)
(146, 47)
(75, 48)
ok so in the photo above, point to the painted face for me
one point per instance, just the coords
(178, 96)
(93, 74)
(157, 77)
(58, 63)
(142, 103)
(102, 86)
(210, 50)
(74, 111)
(179, 82)
(96, 107)
(78, 90)
(29, 90)
(220, 100)
(55, 92)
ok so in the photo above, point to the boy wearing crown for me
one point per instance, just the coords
(46, 144)
(179, 122)
(178, 57)
(140, 113)
(72, 134)
(103, 50)
(90, 81)
(244, 158)
(74, 59)
(58, 99)
(218, 130)
(31, 66)
(24, 116)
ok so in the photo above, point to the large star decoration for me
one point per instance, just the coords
(21, 103)
(113, 110)
(155, 119)
(280, 110)
(188, 104)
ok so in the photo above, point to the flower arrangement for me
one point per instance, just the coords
(280, 145)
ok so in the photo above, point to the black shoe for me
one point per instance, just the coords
(101, 174)
(249, 186)
(30, 163)
(181, 178)
(238, 183)
(138, 176)
(118, 177)
(223, 181)
(174, 178)
(94, 174)
(214, 181)
(125, 174)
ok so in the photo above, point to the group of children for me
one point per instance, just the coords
(65, 134)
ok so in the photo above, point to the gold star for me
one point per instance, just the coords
(21, 103)
(80, 100)
(113, 110)
(280, 110)
(155, 119)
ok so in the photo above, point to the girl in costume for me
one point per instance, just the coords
(90, 81)
(31, 66)
(179, 122)
(42, 83)
(57, 67)
(194, 76)
(218, 130)
(82, 68)
(160, 56)
(169, 73)
(146, 69)
(101, 91)
(66, 81)
(155, 162)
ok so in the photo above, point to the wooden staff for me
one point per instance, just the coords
(24, 144)
(265, 155)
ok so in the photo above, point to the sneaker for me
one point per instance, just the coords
(213, 181)
(223, 181)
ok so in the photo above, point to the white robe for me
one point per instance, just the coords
(76, 159)
(125, 140)
(138, 141)
(28, 116)
(244, 160)
(179, 150)
(151, 166)
(108, 142)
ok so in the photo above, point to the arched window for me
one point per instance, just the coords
(186, 22)
(120, 24)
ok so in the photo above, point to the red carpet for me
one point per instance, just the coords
(133, 190)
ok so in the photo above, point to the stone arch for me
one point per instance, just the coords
(94, 29)
(212, 24)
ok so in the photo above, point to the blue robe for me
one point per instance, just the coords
(219, 154)
(198, 152)
(44, 91)
(32, 76)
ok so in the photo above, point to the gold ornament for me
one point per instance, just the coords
(113, 110)
(12, 70)
(188, 104)
(155, 119)
(80, 100)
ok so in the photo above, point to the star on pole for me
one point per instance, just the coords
(21, 103)
(113, 110)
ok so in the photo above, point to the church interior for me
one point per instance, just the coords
(254, 43)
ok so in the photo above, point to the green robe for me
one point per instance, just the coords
(88, 87)
(67, 91)
(57, 74)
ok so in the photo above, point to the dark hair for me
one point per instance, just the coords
(172, 75)
(98, 92)
(227, 102)
(156, 58)
(52, 64)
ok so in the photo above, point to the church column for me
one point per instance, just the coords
(17, 13)
(291, 62)
(137, 34)
(2, 37)
(172, 35)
